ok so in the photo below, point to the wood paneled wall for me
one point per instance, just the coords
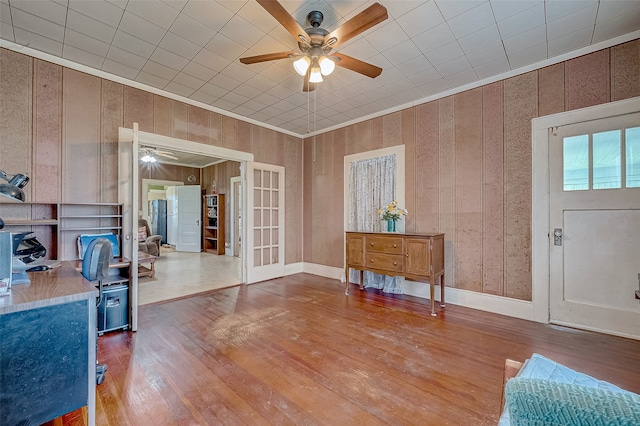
(61, 127)
(468, 167)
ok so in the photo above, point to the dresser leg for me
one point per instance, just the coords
(346, 281)
(361, 279)
(442, 291)
(433, 300)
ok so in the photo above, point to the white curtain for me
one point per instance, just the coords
(372, 184)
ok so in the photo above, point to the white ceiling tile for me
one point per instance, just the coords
(385, 36)
(523, 21)
(254, 13)
(180, 46)
(38, 42)
(211, 60)
(266, 99)
(434, 38)
(235, 98)
(6, 32)
(402, 52)
(151, 80)
(44, 9)
(569, 42)
(379, 92)
(225, 47)
(615, 8)
(425, 76)
(119, 69)
(225, 81)
(390, 101)
(198, 71)
(434, 87)
(472, 20)
(168, 59)
(260, 82)
(141, 28)
(487, 54)
(209, 13)
(268, 44)
(570, 23)
(614, 27)
(526, 39)
(178, 89)
(192, 30)
(126, 58)
(37, 25)
(371, 108)
(480, 39)
(491, 68)
(133, 44)
(414, 66)
(159, 70)
(120, 3)
(176, 4)
(453, 67)
(224, 104)
(259, 116)
(556, 9)
(238, 71)
(213, 90)
(203, 97)
(277, 73)
(444, 54)
(99, 10)
(188, 81)
(361, 49)
(461, 78)
(82, 57)
(528, 56)
(161, 14)
(453, 8)
(5, 13)
(425, 17)
(88, 44)
(89, 26)
(242, 31)
(502, 9)
(397, 9)
(244, 110)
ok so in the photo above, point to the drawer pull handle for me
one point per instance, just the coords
(371, 260)
(407, 255)
(395, 246)
(371, 244)
(395, 263)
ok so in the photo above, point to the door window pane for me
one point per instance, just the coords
(575, 160)
(606, 160)
(632, 138)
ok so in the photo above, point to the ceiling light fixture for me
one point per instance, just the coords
(301, 65)
(148, 158)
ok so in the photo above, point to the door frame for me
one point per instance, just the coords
(540, 232)
(234, 214)
(168, 142)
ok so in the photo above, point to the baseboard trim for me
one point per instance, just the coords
(485, 302)
(293, 268)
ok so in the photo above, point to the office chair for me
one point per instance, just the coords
(95, 267)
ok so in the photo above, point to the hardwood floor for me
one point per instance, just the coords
(297, 351)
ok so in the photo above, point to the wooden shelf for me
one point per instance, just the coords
(35, 222)
(213, 236)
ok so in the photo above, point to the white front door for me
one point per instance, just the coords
(265, 222)
(595, 225)
(189, 217)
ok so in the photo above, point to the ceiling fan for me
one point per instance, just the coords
(316, 44)
(148, 154)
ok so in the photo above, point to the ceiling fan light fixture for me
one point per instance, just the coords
(301, 65)
(316, 75)
(326, 65)
(148, 159)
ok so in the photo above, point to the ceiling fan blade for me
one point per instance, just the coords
(364, 20)
(281, 15)
(307, 86)
(357, 65)
(267, 57)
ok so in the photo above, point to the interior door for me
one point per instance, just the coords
(189, 208)
(128, 196)
(595, 225)
(265, 222)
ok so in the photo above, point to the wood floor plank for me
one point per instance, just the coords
(296, 351)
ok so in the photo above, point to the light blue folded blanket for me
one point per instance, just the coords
(547, 393)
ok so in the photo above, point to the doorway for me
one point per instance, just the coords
(566, 276)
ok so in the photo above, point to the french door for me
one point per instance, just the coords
(595, 225)
(265, 222)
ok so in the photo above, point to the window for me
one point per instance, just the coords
(602, 160)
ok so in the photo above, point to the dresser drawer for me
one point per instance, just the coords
(384, 244)
(384, 262)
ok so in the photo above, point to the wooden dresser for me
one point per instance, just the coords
(417, 257)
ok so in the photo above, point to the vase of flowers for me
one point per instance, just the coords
(392, 213)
